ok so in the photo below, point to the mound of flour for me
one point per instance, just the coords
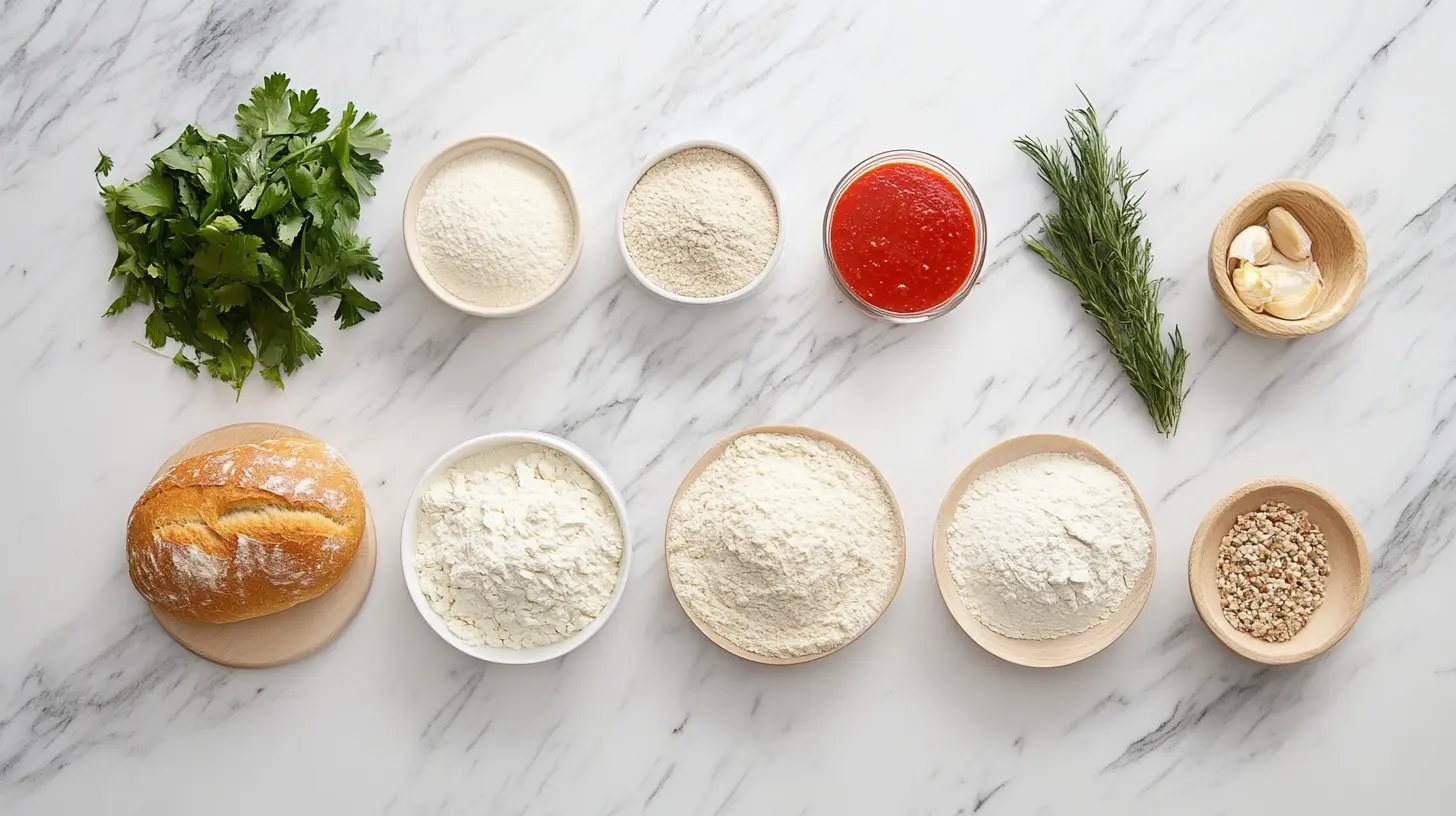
(785, 545)
(517, 547)
(496, 228)
(1047, 546)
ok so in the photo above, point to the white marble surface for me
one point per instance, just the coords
(101, 712)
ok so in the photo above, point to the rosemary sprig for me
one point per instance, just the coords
(1092, 241)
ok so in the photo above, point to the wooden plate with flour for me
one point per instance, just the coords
(697, 470)
(296, 632)
(1059, 651)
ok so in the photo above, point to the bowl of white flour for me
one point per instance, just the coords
(516, 547)
(1044, 551)
(701, 224)
(784, 544)
(492, 226)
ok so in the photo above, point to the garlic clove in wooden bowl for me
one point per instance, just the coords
(1336, 242)
(1345, 588)
(1052, 652)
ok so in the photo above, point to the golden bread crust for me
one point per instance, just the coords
(246, 531)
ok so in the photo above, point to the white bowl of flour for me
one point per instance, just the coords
(516, 547)
(701, 224)
(492, 226)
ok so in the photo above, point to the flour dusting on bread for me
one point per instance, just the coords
(291, 469)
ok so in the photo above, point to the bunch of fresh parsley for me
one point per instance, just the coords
(230, 239)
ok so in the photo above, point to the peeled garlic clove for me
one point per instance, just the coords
(1285, 281)
(1289, 235)
(1277, 258)
(1251, 286)
(1295, 306)
(1293, 292)
(1252, 245)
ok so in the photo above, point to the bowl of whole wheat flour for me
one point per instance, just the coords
(516, 547)
(492, 226)
(701, 224)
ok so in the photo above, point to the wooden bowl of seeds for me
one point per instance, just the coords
(1278, 571)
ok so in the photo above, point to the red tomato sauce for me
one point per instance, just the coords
(903, 238)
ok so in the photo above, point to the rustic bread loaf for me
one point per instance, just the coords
(246, 531)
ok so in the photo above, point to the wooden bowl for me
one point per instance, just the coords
(296, 632)
(1036, 653)
(697, 470)
(1345, 589)
(1336, 242)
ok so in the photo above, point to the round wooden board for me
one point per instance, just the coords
(1346, 588)
(1036, 653)
(697, 470)
(296, 632)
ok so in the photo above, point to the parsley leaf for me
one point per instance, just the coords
(153, 195)
(268, 113)
(231, 239)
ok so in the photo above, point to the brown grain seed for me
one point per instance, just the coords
(1273, 565)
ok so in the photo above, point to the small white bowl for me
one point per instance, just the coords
(417, 192)
(673, 296)
(481, 444)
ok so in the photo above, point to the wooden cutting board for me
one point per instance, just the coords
(296, 632)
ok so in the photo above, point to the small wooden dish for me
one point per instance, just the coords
(1345, 588)
(697, 470)
(1336, 241)
(1036, 653)
(296, 632)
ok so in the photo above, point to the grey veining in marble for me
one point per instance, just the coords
(101, 712)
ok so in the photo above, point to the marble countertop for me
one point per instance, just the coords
(101, 712)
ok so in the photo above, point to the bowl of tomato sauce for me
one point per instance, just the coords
(904, 236)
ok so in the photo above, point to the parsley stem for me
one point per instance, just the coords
(299, 152)
(150, 350)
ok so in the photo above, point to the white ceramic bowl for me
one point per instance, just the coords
(481, 444)
(673, 296)
(417, 192)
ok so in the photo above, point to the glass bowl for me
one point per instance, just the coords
(978, 219)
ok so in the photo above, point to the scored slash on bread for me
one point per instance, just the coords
(245, 531)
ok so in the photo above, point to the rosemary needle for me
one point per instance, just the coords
(1092, 242)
